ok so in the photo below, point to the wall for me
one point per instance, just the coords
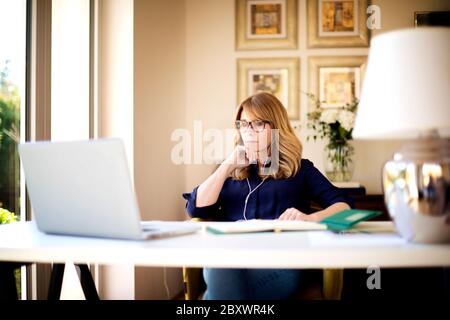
(115, 112)
(371, 155)
(211, 77)
(397, 14)
(159, 108)
(211, 54)
(116, 72)
(210, 72)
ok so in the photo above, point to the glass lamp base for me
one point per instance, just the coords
(416, 190)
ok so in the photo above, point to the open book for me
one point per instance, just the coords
(257, 225)
(339, 221)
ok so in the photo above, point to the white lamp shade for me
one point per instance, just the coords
(406, 89)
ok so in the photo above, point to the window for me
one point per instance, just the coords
(13, 26)
(49, 100)
(70, 69)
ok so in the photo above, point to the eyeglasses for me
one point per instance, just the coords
(256, 125)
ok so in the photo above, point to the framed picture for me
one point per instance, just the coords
(279, 76)
(432, 18)
(266, 24)
(337, 23)
(336, 80)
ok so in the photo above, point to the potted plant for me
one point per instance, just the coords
(7, 216)
(335, 125)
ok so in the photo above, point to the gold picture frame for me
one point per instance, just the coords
(279, 76)
(266, 24)
(337, 23)
(336, 80)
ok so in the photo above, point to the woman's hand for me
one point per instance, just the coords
(251, 151)
(208, 192)
(237, 159)
(294, 214)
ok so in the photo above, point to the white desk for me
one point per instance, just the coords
(22, 242)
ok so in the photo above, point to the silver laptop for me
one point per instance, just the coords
(84, 188)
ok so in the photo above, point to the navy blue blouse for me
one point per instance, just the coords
(271, 199)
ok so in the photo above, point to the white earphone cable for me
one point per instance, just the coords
(248, 196)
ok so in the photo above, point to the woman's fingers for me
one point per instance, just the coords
(241, 156)
(286, 215)
(293, 214)
(283, 216)
(251, 148)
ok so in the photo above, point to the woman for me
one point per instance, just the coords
(264, 178)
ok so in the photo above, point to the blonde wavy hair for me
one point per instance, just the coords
(267, 107)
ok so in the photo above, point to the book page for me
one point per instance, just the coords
(256, 225)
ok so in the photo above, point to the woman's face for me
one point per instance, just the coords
(259, 140)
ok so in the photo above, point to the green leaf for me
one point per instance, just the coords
(7, 216)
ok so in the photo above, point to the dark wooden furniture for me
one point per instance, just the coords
(362, 200)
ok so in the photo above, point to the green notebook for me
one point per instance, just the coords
(348, 218)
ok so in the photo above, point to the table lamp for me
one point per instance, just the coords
(406, 95)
